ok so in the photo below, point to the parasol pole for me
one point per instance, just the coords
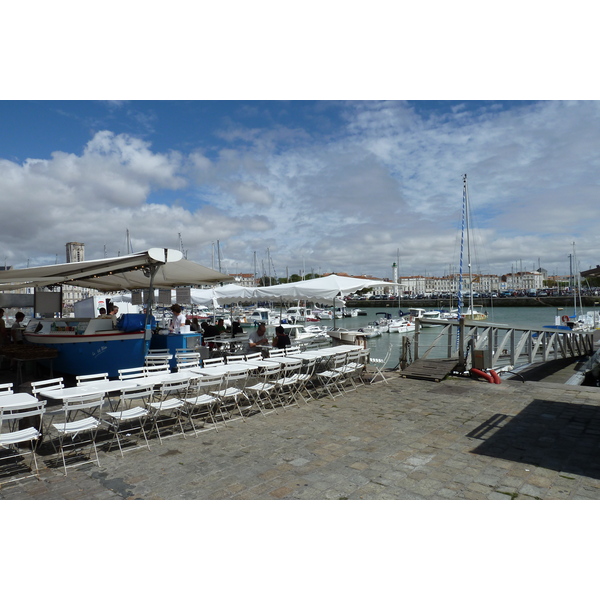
(152, 270)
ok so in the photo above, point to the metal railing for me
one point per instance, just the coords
(495, 345)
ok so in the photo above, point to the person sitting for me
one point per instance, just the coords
(209, 330)
(258, 337)
(236, 328)
(195, 325)
(102, 314)
(220, 327)
(281, 339)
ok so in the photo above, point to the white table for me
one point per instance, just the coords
(106, 386)
(164, 378)
(16, 400)
(97, 387)
(238, 367)
(284, 360)
(255, 363)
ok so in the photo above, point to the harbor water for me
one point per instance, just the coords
(535, 317)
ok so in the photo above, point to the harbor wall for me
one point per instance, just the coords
(518, 301)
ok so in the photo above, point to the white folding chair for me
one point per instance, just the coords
(288, 383)
(12, 439)
(187, 360)
(266, 386)
(6, 389)
(83, 379)
(166, 406)
(274, 352)
(291, 350)
(202, 399)
(379, 364)
(129, 417)
(162, 369)
(363, 359)
(305, 377)
(81, 416)
(212, 362)
(232, 393)
(46, 385)
(349, 369)
(254, 356)
(329, 378)
(132, 373)
(233, 358)
(157, 357)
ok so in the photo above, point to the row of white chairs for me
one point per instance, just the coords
(135, 413)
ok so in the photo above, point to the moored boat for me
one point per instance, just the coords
(87, 346)
(422, 313)
(301, 314)
(348, 336)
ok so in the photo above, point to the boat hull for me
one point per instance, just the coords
(345, 336)
(87, 354)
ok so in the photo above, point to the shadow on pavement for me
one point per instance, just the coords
(554, 435)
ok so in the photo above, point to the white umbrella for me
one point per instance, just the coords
(320, 288)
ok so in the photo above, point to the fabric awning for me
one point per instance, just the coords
(130, 272)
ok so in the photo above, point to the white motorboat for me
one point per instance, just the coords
(372, 330)
(422, 313)
(263, 315)
(325, 315)
(304, 333)
(301, 314)
(400, 326)
(348, 336)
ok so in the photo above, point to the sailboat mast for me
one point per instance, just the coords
(467, 226)
(462, 246)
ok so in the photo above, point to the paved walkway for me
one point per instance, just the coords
(409, 439)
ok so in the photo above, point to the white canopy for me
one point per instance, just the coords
(226, 293)
(130, 272)
(321, 288)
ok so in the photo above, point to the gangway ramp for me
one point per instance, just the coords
(431, 369)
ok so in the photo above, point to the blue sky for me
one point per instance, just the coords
(323, 185)
(323, 173)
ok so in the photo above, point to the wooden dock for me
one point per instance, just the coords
(431, 369)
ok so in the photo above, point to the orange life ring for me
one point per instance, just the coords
(495, 376)
(564, 319)
(486, 376)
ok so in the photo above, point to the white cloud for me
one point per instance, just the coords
(387, 179)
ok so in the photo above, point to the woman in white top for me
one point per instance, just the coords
(178, 319)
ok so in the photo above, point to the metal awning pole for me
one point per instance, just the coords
(147, 331)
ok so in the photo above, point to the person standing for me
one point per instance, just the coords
(178, 320)
(113, 314)
(4, 339)
(16, 331)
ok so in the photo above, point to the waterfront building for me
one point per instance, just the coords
(72, 293)
(522, 280)
(245, 279)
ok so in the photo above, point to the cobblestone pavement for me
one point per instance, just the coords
(409, 439)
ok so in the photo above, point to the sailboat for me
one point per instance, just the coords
(470, 313)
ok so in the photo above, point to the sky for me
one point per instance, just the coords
(296, 144)
(314, 186)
